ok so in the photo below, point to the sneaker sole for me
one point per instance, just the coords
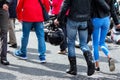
(42, 62)
(20, 57)
(112, 65)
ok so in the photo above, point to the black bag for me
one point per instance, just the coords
(45, 13)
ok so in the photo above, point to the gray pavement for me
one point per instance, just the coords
(54, 69)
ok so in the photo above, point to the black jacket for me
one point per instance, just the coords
(104, 8)
(4, 2)
(79, 10)
(12, 9)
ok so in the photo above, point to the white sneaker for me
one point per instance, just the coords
(42, 61)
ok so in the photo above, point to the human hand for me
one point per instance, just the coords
(118, 26)
(56, 22)
(5, 7)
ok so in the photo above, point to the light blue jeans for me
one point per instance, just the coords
(101, 27)
(39, 30)
(72, 28)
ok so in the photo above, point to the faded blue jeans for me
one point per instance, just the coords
(72, 28)
(39, 30)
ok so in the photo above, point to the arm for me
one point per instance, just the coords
(19, 8)
(54, 3)
(103, 4)
(113, 13)
(46, 5)
(64, 9)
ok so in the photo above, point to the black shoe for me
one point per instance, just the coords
(13, 46)
(5, 62)
(8, 43)
(90, 63)
(97, 69)
(73, 66)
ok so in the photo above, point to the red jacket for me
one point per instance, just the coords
(56, 5)
(30, 10)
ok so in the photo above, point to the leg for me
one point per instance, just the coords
(26, 26)
(83, 34)
(39, 29)
(71, 28)
(12, 37)
(63, 46)
(3, 36)
(96, 32)
(104, 31)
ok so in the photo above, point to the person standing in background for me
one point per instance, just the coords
(3, 31)
(11, 30)
(56, 5)
(29, 12)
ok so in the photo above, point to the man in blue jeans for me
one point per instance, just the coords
(32, 16)
(79, 14)
(3, 31)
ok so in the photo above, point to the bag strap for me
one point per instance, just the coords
(41, 4)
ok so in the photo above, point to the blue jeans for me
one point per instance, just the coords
(101, 27)
(72, 28)
(39, 30)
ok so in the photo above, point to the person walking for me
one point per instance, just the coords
(56, 5)
(11, 30)
(79, 14)
(3, 31)
(29, 12)
(102, 10)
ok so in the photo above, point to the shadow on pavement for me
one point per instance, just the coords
(6, 76)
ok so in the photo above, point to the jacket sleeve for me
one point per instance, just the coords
(113, 12)
(19, 9)
(46, 4)
(103, 4)
(54, 2)
(64, 8)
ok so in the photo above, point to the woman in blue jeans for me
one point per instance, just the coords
(101, 12)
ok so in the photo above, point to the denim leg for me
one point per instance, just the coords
(83, 35)
(99, 35)
(71, 34)
(104, 31)
(26, 27)
(39, 29)
(96, 31)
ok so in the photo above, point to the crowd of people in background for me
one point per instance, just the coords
(72, 16)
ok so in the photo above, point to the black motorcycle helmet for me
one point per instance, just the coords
(55, 36)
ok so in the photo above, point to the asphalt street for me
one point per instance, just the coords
(54, 69)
